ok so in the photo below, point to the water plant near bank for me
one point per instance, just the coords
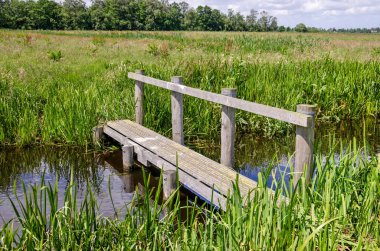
(59, 101)
(338, 210)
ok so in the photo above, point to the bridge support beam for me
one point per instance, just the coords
(128, 161)
(169, 183)
(97, 135)
(139, 99)
(304, 145)
(177, 112)
(228, 131)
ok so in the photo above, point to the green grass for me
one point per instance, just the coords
(56, 86)
(338, 210)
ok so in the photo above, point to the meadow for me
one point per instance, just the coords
(56, 85)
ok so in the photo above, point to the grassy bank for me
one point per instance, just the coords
(339, 210)
(55, 86)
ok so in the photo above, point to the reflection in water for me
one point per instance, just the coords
(103, 173)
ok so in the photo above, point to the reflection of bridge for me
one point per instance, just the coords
(205, 178)
(130, 179)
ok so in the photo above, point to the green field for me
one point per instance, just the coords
(56, 85)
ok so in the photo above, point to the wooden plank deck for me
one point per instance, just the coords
(204, 177)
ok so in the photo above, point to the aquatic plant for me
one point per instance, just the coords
(338, 210)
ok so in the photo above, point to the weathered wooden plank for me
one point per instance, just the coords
(127, 151)
(264, 110)
(177, 113)
(139, 99)
(227, 133)
(188, 181)
(205, 178)
(97, 134)
(212, 173)
(188, 158)
(304, 146)
(169, 183)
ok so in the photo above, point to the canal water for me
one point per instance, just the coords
(104, 171)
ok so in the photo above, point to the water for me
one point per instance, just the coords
(104, 172)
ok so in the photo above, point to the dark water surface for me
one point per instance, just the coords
(104, 171)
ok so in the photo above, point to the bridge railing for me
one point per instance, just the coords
(303, 119)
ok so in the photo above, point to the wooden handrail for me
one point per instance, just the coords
(303, 119)
(295, 118)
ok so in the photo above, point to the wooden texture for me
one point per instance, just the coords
(304, 145)
(264, 110)
(169, 183)
(139, 99)
(228, 131)
(205, 178)
(177, 113)
(148, 158)
(127, 151)
(97, 134)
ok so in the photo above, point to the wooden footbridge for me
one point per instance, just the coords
(207, 179)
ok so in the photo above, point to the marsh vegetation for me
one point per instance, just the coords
(55, 86)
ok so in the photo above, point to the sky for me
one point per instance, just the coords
(316, 13)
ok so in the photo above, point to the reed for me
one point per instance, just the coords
(59, 101)
(338, 210)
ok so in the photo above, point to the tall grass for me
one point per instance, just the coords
(43, 101)
(338, 210)
(65, 111)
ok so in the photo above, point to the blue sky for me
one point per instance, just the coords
(318, 13)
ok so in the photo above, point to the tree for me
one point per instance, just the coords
(3, 16)
(75, 15)
(173, 17)
(300, 27)
(189, 21)
(235, 21)
(251, 20)
(127, 15)
(273, 24)
(47, 15)
(281, 28)
(97, 14)
(264, 21)
(207, 19)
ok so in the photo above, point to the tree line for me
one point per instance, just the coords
(127, 15)
(139, 15)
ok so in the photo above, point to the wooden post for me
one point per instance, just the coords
(304, 145)
(127, 157)
(228, 131)
(169, 183)
(177, 112)
(97, 134)
(139, 99)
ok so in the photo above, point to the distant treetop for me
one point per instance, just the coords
(136, 15)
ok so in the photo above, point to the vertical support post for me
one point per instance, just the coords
(97, 134)
(228, 131)
(177, 112)
(169, 183)
(139, 99)
(127, 151)
(304, 145)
